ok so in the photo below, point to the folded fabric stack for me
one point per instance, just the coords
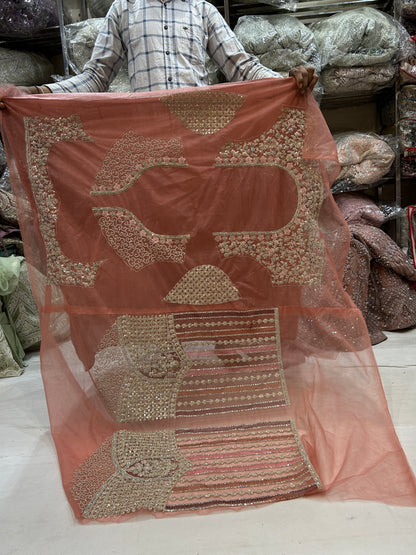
(360, 50)
(19, 317)
(378, 275)
(24, 68)
(365, 158)
(280, 42)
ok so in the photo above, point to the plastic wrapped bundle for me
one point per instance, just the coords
(407, 102)
(80, 38)
(25, 17)
(407, 133)
(99, 8)
(24, 68)
(280, 42)
(361, 37)
(364, 158)
(368, 79)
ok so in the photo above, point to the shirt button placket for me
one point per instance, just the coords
(167, 52)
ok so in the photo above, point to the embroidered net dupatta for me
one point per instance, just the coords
(198, 349)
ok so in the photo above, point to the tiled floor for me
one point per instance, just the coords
(35, 518)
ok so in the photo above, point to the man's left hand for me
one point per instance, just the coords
(305, 78)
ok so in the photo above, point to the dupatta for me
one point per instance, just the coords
(198, 348)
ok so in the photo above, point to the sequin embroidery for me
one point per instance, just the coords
(293, 254)
(41, 135)
(136, 245)
(204, 112)
(131, 156)
(203, 285)
(194, 469)
(187, 364)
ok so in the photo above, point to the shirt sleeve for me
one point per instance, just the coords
(106, 59)
(228, 52)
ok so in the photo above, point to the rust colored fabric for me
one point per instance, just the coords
(198, 348)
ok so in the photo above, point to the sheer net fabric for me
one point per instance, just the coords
(216, 361)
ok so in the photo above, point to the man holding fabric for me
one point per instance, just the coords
(166, 43)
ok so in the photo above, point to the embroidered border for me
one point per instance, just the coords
(293, 254)
(41, 135)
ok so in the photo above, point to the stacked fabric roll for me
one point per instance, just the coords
(360, 50)
(280, 42)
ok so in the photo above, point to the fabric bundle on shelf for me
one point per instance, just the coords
(24, 68)
(364, 158)
(360, 50)
(378, 275)
(280, 42)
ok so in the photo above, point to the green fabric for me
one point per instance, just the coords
(12, 338)
(9, 274)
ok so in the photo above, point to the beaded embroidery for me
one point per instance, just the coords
(132, 155)
(203, 285)
(194, 469)
(41, 135)
(136, 245)
(187, 364)
(293, 254)
(130, 471)
(204, 112)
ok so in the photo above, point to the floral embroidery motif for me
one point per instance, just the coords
(41, 135)
(203, 285)
(204, 112)
(186, 364)
(132, 155)
(231, 466)
(130, 471)
(136, 245)
(293, 254)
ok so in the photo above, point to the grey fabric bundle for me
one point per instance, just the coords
(24, 68)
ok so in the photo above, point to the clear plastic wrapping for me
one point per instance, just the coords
(280, 42)
(5, 180)
(24, 17)
(361, 79)
(80, 40)
(24, 68)
(407, 134)
(3, 162)
(365, 158)
(361, 37)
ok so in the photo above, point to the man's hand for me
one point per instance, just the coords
(28, 90)
(305, 78)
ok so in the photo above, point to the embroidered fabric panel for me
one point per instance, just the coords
(136, 245)
(187, 364)
(204, 112)
(194, 469)
(130, 156)
(203, 285)
(293, 254)
(41, 135)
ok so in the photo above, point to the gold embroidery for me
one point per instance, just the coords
(130, 156)
(204, 112)
(134, 243)
(161, 366)
(203, 285)
(41, 135)
(129, 472)
(242, 465)
(231, 466)
(293, 254)
(140, 376)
